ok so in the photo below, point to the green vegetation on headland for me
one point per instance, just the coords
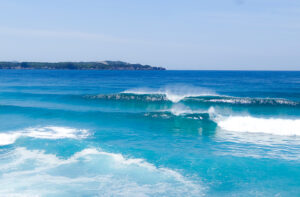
(105, 65)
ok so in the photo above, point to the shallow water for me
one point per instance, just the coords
(144, 133)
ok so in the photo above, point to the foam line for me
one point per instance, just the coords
(275, 126)
(43, 133)
(248, 101)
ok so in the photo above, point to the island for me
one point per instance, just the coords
(103, 65)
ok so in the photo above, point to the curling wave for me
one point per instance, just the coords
(173, 93)
(131, 96)
(245, 100)
(209, 99)
(168, 115)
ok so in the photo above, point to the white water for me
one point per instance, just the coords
(275, 126)
(174, 93)
(181, 109)
(246, 100)
(43, 133)
(90, 172)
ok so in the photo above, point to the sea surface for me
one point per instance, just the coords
(149, 133)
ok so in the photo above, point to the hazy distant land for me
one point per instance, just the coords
(104, 65)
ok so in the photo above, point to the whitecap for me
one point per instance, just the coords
(247, 100)
(181, 109)
(90, 172)
(49, 132)
(174, 93)
(8, 138)
(275, 126)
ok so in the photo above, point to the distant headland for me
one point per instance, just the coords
(104, 65)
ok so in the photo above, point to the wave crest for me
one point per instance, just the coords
(49, 132)
(246, 100)
(173, 93)
(275, 126)
(131, 96)
(174, 98)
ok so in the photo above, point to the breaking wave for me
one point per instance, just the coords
(173, 93)
(245, 100)
(90, 172)
(189, 98)
(131, 96)
(274, 126)
(168, 115)
(182, 111)
(49, 132)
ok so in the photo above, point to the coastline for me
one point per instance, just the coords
(104, 65)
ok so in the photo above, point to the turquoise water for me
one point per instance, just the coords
(160, 133)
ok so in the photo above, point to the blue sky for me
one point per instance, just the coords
(185, 34)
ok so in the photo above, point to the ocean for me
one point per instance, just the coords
(149, 133)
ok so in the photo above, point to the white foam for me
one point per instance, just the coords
(231, 101)
(212, 111)
(8, 138)
(174, 93)
(180, 109)
(247, 100)
(275, 126)
(90, 172)
(43, 133)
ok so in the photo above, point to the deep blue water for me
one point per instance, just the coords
(149, 133)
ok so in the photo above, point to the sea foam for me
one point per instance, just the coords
(249, 101)
(275, 126)
(91, 172)
(49, 132)
(181, 109)
(174, 93)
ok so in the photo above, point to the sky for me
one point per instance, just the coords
(176, 34)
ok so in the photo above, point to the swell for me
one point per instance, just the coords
(208, 99)
(131, 97)
(244, 100)
(174, 112)
(160, 121)
(186, 121)
(177, 114)
(80, 102)
(137, 102)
